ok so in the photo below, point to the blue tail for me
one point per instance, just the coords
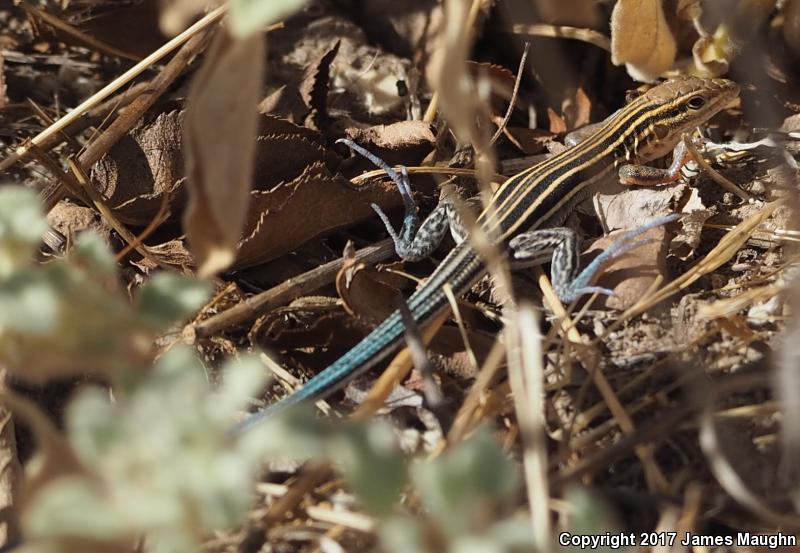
(461, 268)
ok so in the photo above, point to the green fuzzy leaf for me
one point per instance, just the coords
(91, 251)
(461, 486)
(21, 227)
(168, 298)
(72, 507)
(21, 218)
(28, 304)
(372, 464)
(402, 535)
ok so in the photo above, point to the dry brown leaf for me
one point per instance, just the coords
(366, 295)
(219, 136)
(71, 219)
(130, 26)
(270, 125)
(313, 333)
(712, 54)
(578, 111)
(631, 275)
(404, 142)
(529, 141)
(284, 102)
(557, 123)
(685, 242)
(500, 79)
(141, 168)
(148, 163)
(284, 157)
(634, 207)
(174, 252)
(311, 205)
(402, 134)
(451, 354)
(641, 39)
(314, 88)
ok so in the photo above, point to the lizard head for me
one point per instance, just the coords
(677, 106)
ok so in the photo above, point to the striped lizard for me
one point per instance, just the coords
(525, 211)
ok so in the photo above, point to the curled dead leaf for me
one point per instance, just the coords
(316, 202)
(403, 134)
(312, 331)
(557, 123)
(284, 157)
(712, 54)
(396, 143)
(219, 137)
(578, 110)
(365, 291)
(146, 164)
(631, 275)
(314, 89)
(634, 207)
(641, 38)
(687, 239)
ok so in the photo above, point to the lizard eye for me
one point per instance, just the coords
(696, 102)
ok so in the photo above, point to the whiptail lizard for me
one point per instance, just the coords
(524, 211)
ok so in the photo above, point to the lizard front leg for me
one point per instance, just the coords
(644, 175)
(414, 241)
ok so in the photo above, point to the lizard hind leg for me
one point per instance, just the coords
(568, 282)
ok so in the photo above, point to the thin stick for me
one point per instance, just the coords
(419, 357)
(160, 217)
(653, 473)
(562, 31)
(106, 212)
(77, 34)
(397, 370)
(261, 303)
(472, 17)
(715, 175)
(114, 85)
(47, 120)
(128, 119)
(526, 376)
(513, 101)
(425, 170)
